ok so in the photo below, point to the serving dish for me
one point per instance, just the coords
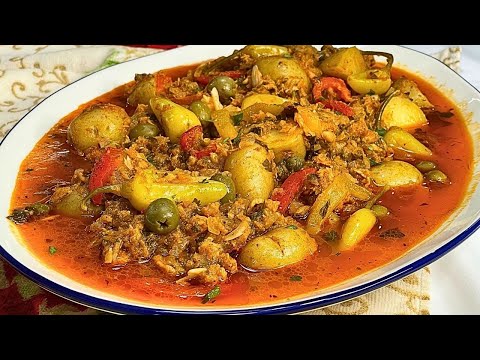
(22, 138)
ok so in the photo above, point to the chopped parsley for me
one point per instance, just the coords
(292, 227)
(52, 250)
(392, 233)
(212, 294)
(236, 141)
(331, 235)
(324, 209)
(295, 278)
(237, 119)
(151, 158)
(381, 132)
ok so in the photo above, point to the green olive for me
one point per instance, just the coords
(426, 166)
(202, 110)
(436, 176)
(100, 124)
(294, 163)
(225, 86)
(145, 130)
(161, 216)
(232, 192)
(380, 211)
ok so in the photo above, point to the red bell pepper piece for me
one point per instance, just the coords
(234, 74)
(211, 148)
(162, 81)
(290, 188)
(190, 141)
(338, 106)
(187, 100)
(203, 79)
(334, 87)
(103, 170)
(190, 138)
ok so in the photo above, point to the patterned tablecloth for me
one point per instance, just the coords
(31, 72)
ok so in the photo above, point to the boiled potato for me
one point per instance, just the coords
(277, 248)
(399, 139)
(395, 174)
(251, 179)
(285, 142)
(278, 68)
(100, 124)
(263, 99)
(174, 118)
(402, 112)
(345, 62)
(356, 228)
(144, 90)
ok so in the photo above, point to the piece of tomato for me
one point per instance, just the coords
(290, 188)
(103, 170)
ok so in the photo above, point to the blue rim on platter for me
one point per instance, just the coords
(292, 307)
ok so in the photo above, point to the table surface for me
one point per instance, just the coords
(455, 277)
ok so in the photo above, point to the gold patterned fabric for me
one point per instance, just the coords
(29, 73)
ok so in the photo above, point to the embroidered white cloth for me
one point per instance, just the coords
(29, 73)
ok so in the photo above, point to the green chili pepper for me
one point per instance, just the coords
(149, 185)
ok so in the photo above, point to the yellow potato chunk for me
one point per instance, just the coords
(395, 174)
(403, 113)
(345, 62)
(286, 142)
(251, 179)
(277, 248)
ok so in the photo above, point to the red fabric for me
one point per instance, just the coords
(164, 47)
(20, 296)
